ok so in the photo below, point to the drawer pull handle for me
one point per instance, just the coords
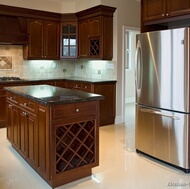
(10, 97)
(10, 106)
(25, 104)
(77, 110)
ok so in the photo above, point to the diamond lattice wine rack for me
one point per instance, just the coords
(75, 145)
(95, 47)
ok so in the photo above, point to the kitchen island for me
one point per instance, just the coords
(56, 130)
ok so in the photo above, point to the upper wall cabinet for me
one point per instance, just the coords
(96, 32)
(164, 10)
(43, 39)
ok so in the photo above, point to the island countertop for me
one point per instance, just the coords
(50, 95)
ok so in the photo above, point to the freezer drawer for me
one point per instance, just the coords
(163, 135)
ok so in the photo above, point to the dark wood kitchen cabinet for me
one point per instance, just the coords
(96, 32)
(44, 40)
(162, 12)
(24, 131)
(160, 9)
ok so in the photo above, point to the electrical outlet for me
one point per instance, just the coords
(64, 70)
(99, 71)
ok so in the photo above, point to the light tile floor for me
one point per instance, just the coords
(120, 166)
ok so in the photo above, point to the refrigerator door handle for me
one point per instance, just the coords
(138, 67)
(146, 110)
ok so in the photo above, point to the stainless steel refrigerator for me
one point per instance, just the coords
(163, 96)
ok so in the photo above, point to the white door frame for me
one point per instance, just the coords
(124, 29)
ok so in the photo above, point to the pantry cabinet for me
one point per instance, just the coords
(96, 32)
(44, 40)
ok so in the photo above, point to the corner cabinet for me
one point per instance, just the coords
(44, 40)
(156, 10)
(96, 32)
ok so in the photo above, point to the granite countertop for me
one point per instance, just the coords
(84, 79)
(50, 95)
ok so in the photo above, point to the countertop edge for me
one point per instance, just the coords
(46, 102)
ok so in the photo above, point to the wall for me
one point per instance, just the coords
(127, 14)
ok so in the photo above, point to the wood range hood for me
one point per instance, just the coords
(13, 30)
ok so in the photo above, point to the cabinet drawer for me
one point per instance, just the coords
(86, 87)
(27, 105)
(12, 98)
(74, 110)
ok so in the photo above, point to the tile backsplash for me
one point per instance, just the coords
(12, 64)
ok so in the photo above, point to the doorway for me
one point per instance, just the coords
(129, 49)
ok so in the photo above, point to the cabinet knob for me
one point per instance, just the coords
(163, 15)
(10, 106)
(77, 110)
(25, 104)
(24, 113)
(167, 14)
(10, 97)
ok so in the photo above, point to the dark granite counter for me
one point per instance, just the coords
(90, 80)
(50, 95)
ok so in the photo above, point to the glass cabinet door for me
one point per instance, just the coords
(69, 40)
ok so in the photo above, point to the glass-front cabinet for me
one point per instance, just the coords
(69, 40)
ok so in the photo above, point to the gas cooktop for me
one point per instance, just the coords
(10, 78)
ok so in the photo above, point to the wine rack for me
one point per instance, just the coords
(75, 145)
(95, 47)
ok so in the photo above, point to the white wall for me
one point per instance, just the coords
(127, 14)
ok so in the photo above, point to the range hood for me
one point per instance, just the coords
(13, 30)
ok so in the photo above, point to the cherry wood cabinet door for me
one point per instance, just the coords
(16, 127)
(32, 139)
(51, 40)
(35, 29)
(153, 9)
(23, 135)
(43, 39)
(9, 125)
(178, 7)
(83, 39)
(95, 26)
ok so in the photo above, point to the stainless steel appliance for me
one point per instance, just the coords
(163, 96)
